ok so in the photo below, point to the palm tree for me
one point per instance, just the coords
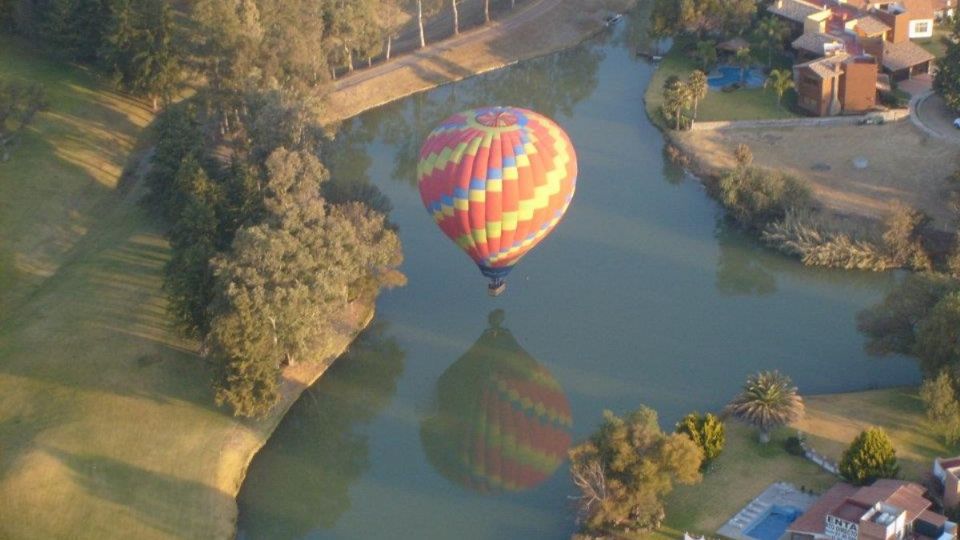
(780, 80)
(698, 89)
(771, 32)
(743, 59)
(676, 98)
(707, 53)
(768, 400)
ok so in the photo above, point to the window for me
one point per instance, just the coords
(921, 28)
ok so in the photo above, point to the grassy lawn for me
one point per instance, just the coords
(107, 422)
(64, 171)
(745, 469)
(833, 421)
(744, 104)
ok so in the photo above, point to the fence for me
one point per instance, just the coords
(894, 115)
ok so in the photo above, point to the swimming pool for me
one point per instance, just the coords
(731, 74)
(772, 526)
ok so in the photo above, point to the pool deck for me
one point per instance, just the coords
(776, 494)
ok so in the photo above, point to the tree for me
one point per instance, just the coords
(755, 196)
(19, 105)
(780, 80)
(707, 431)
(771, 33)
(676, 98)
(625, 469)
(904, 237)
(870, 457)
(743, 155)
(456, 17)
(946, 82)
(938, 335)
(939, 395)
(707, 53)
(140, 49)
(892, 325)
(743, 58)
(698, 87)
(768, 400)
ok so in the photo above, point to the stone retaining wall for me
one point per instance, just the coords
(888, 116)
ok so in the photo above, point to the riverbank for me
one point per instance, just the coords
(903, 163)
(539, 28)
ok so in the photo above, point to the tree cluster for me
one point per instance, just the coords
(940, 398)
(756, 197)
(723, 17)
(947, 79)
(921, 317)
(626, 468)
(264, 261)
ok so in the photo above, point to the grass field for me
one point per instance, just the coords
(744, 104)
(745, 469)
(833, 421)
(107, 422)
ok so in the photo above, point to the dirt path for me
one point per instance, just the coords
(538, 28)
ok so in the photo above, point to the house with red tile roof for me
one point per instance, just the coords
(842, 46)
(885, 510)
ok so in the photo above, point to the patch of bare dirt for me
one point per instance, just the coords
(902, 163)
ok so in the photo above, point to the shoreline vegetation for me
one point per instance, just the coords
(155, 480)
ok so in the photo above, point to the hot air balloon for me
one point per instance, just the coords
(497, 180)
(502, 421)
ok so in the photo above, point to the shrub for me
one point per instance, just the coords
(904, 237)
(870, 456)
(820, 243)
(707, 431)
(793, 446)
(756, 196)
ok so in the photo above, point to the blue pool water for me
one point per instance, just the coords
(731, 74)
(772, 526)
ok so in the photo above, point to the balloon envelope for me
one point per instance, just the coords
(497, 180)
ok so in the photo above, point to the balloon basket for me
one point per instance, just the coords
(496, 289)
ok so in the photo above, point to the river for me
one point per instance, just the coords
(642, 295)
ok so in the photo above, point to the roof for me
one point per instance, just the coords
(851, 503)
(903, 495)
(826, 67)
(813, 521)
(734, 44)
(815, 42)
(795, 10)
(903, 55)
(918, 9)
(932, 518)
(869, 25)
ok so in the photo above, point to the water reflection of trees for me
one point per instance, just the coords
(502, 421)
(550, 85)
(299, 482)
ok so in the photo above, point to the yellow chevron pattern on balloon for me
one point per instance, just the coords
(497, 181)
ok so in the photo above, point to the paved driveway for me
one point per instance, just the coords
(934, 114)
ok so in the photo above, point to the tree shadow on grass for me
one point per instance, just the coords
(155, 499)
